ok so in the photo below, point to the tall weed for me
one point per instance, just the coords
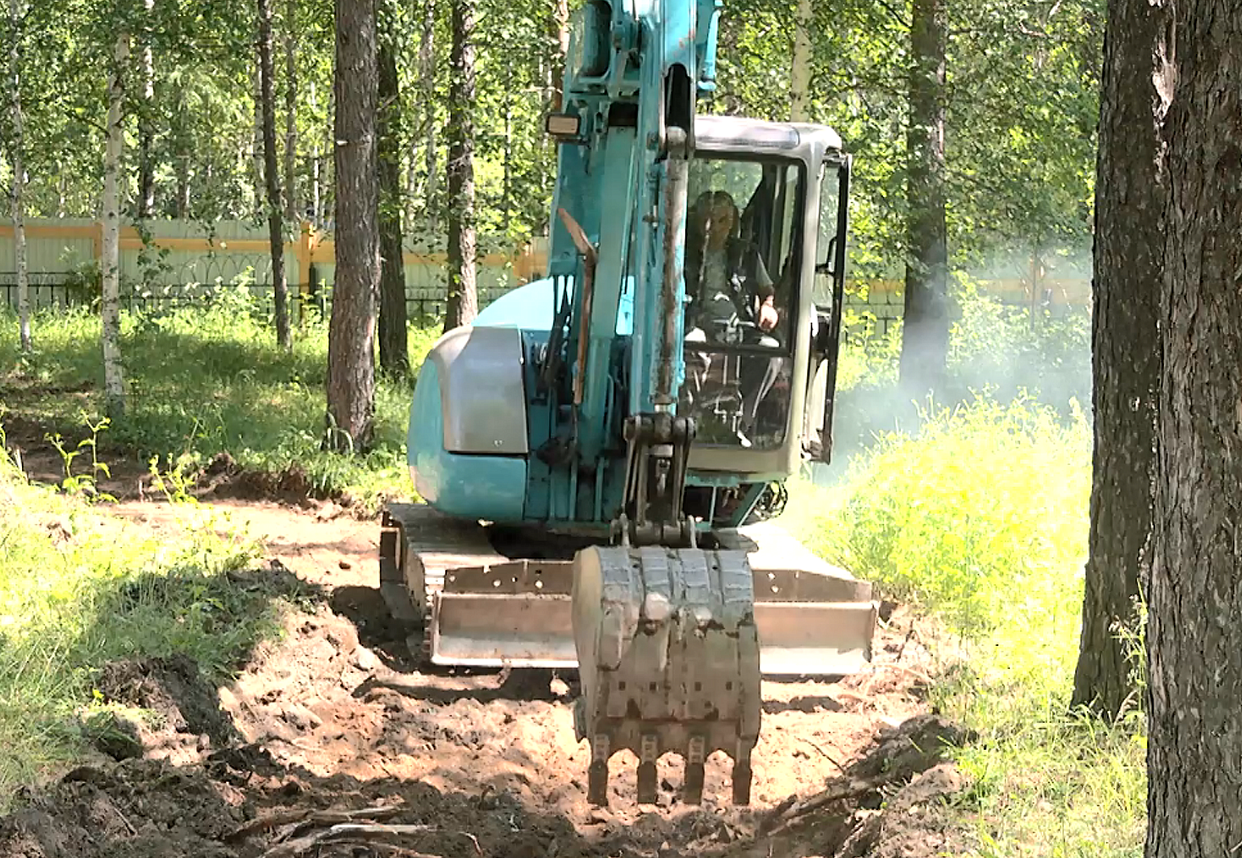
(979, 516)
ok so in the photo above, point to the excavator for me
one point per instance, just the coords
(599, 453)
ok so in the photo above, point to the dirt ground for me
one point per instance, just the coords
(330, 725)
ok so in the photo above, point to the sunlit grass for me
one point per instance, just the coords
(212, 380)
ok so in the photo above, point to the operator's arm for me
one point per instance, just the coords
(768, 316)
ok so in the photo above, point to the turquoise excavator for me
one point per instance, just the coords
(601, 451)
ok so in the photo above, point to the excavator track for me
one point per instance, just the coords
(419, 549)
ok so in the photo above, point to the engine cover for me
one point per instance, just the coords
(669, 662)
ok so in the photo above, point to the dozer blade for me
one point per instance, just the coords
(477, 608)
(516, 613)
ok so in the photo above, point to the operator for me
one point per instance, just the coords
(722, 271)
(721, 267)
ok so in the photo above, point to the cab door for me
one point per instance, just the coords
(828, 299)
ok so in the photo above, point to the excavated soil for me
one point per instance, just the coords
(330, 725)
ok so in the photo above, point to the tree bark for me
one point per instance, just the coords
(19, 179)
(271, 173)
(291, 112)
(351, 331)
(1194, 637)
(925, 329)
(462, 295)
(1129, 237)
(114, 380)
(393, 350)
(146, 121)
(800, 68)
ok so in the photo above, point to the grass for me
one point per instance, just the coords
(79, 588)
(980, 517)
(206, 381)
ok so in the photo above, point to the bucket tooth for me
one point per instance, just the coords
(650, 745)
(741, 775)
(597, 773)
(692, 789)
(668, 657)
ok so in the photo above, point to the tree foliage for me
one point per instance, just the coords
(1022, 79)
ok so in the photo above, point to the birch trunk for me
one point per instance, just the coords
(256, 146)
(316, 212)
(558, 34)
(427, 72)
(114, 380)
(19, 182)
(800, 70)
(146, 162)
(291, 112)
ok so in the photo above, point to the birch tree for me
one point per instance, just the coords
(19, 175)
(114, 380)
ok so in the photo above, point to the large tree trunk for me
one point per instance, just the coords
(393, 350)
(146, 131)
(114, 380)
(291, 112)
(271, 173)
(19, 179)
(351, 331)
(1129, 239)
(925, 327)
(800, 68)
(462, 295)
(1194, 636)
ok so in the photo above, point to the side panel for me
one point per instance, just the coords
(460, 484)
(481, 393)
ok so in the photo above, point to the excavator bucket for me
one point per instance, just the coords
(477, 607)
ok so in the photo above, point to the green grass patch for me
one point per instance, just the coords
(980, 516)
(79, 588)
(204, 381)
